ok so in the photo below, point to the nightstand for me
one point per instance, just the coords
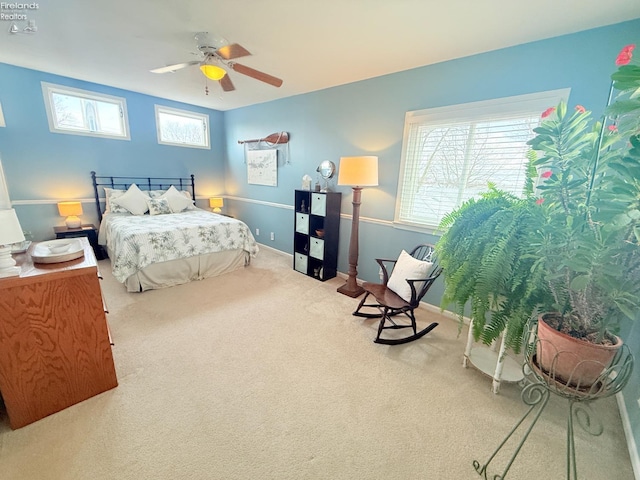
(87, 230)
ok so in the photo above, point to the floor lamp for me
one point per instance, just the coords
(358, 172)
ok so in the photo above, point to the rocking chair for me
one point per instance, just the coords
(411, 277)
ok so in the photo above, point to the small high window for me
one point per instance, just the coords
(81, 112)
(182, 128)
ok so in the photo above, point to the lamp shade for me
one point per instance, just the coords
(67, 209)
(10, 229)
(216, 202)
(358, 171)
(213, 71)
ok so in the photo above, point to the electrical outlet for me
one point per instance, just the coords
(273, 236)
(257, 232)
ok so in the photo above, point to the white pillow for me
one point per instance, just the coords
(405, 268)
(134, 200)
(187, 194)
(177, 201)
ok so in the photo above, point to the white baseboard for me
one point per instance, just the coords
(275, 250)
(631, 442)
(444, 313)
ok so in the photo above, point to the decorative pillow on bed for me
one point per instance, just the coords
(177, 201)
(158, 206)
(109, 195)
(134, 200)
(187, 194)
(405, 268)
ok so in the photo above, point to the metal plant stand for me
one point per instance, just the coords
(538, 390)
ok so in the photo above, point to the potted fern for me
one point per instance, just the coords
(487, 263)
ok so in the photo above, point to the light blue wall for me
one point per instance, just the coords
(368, 117)
(42, 167)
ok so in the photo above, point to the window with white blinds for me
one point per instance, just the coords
(450, 154)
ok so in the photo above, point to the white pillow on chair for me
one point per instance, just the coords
(405, 268)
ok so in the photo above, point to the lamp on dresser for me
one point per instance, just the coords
(71, 210)
(358, 172)
(10, 233)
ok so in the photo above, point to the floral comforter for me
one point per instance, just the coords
(136, 241)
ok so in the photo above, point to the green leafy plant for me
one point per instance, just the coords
(571, 245)
(485, 252)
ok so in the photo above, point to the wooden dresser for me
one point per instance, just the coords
(54, 340)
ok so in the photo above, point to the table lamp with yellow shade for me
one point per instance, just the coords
(71, 210)
(216, 204)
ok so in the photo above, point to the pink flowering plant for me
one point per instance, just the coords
(588, 245)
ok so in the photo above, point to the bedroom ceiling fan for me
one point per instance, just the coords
(217, 57)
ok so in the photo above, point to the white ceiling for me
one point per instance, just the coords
(311, 45)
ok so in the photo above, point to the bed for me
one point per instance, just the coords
(156, 237)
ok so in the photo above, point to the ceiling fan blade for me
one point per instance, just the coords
(173, 68)
(250, 72)
(232, 51)
(226, 83)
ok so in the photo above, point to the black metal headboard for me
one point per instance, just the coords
(145, 183)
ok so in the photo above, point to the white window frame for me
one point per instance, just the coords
(471, 112)
(187, 114)
(48, 89)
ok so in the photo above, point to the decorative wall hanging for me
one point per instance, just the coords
(262, 167)
(276, 141)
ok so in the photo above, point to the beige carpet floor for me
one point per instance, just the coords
(264, 374)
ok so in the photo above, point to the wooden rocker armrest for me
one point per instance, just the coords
(414, 292)
(385, 271)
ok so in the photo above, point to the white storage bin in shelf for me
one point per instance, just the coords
(302, 223)
(300, 263)
(316, 249)
(319, 204)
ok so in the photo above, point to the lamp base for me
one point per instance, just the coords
(8, 266)
(9, 272)
(73, 222)
(351, 289)
(217, 210)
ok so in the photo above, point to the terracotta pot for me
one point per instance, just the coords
(575, 362)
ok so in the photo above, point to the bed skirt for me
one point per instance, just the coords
(184, 270)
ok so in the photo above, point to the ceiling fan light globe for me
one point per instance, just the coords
(213, 72)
